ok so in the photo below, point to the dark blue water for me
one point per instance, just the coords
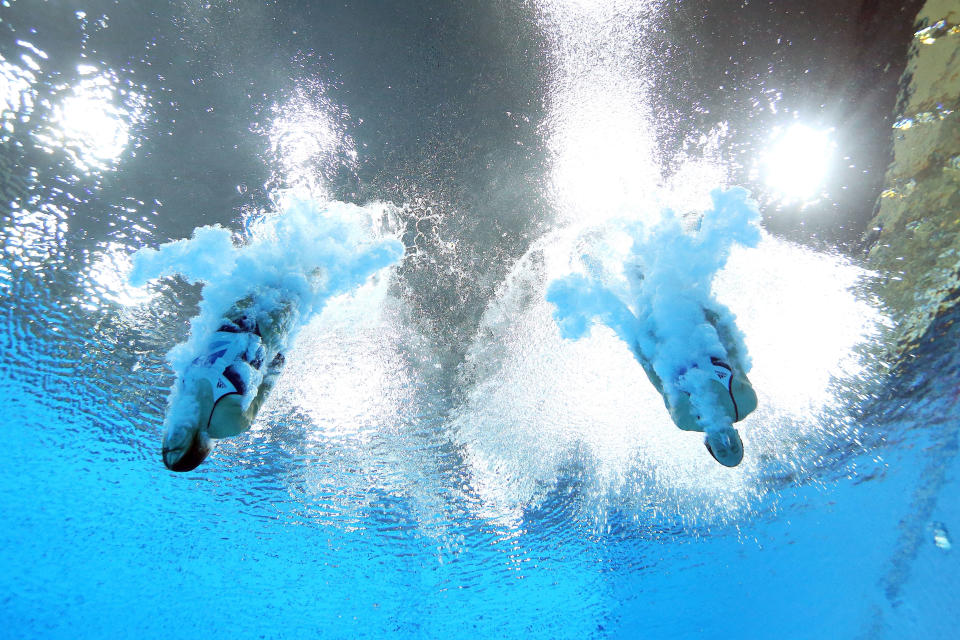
(437, 462)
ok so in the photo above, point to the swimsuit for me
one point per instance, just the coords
(233, 362)
(724, 373)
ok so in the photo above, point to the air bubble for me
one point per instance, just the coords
(941, 537)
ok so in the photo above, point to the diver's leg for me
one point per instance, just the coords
(679, 408)
(730, 335)
(229, 418)
(731, 338)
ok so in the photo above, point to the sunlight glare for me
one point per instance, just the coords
(91, 124)
(796, 162)
(108, 277)
(603, 153)
(308, 140)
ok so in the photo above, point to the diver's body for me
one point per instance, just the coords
(724, 396)
(221, 391)
(731, 394)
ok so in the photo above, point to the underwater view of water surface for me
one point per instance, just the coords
(471, 264)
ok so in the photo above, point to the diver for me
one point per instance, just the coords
(700, 373)
(657, 297)
(220, 392)
(730, 396)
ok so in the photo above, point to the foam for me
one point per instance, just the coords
(657, 296)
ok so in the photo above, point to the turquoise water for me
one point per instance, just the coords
(437, 461)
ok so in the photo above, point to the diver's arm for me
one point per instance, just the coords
(648, 369)
(269, 380)
(275, 325)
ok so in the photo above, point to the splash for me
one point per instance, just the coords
(307, 252)
(543, 415)
(659, 299)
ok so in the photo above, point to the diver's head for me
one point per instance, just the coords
(725, 446)
(186, 442)
(185, 447)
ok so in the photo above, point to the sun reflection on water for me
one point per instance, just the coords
(107, 279)
(92, 120)
(308, 140)
(36, 235)
(17, 96)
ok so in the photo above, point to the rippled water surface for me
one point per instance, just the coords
(436, 461)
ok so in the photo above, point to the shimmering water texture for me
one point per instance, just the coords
(297, 257)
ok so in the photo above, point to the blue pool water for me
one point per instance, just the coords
(437, 461)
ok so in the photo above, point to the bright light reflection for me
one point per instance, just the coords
(603, 153)
(36, 235)
(16, 95)
(796, 161)
(308, 140)
(87, 120)
(340, 374)
(92, 123)
(108, 277)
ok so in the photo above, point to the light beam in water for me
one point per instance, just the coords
(599, 133)
(308, 140)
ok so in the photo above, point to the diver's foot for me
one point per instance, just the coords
(725, 446)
